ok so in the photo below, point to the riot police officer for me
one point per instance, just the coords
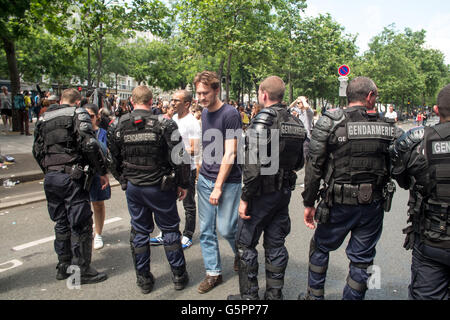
(67, 151)
(147, 159)
(422, 165)
(349, 152)
(267, 191)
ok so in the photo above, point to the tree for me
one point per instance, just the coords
(402, 67)
(223, 28)
(95, 20)
(16, 19)
(320, 47)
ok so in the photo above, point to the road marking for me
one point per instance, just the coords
(13, 264)
(48, 239)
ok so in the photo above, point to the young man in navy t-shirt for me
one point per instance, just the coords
(219, 182)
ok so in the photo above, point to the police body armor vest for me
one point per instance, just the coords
(292, 136)
(437, 150)
(359, 150)
(290, 152)
(58, 132)
(143, 150)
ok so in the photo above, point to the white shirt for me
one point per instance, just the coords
(391, 115)
(189, 129)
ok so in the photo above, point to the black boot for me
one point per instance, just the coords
(145, 282)
(308, 296)
(274, 282)
(63, 249)
(82, 258)
(248, 282)
(61, 273)
(180, 277)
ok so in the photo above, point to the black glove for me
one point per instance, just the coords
(409, 240)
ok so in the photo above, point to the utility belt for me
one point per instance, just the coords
(76, 173)
(139, 167)
(270, 184)
(437, 218)
(350, 194)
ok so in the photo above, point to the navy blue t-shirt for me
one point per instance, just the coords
(215, 126)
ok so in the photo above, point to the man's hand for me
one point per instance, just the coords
(181, 193)
(104, 181)
(215, 196)
(309, 217)
(243, 208)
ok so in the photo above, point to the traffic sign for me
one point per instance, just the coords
(344, 70)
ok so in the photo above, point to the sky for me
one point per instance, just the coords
(368, 18)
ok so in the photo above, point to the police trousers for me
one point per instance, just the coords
(364, 223)
(68, 206)
(430, 273)
(143, 203)
(269, 214)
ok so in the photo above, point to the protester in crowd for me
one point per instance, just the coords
(219, 183)
(256, 108)
(391, 114)
(96, 193)
(169, 112)
(244, 117)
(6, 109)
(45, 104)
(190, 132)
(22, 104)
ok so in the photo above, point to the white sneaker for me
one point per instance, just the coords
(98, 242)
(186, 242)
(157, 241)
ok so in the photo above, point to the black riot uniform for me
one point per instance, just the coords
(67, 151)
(422, 165)
(267, 189)
(145, 154)
(349, 153)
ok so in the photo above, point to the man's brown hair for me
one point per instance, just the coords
(141, 95)
(208, 78)
(275, 88)
(443, 102)
(71, 96)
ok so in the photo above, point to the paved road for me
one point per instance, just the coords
(34, 277)
(28, 272)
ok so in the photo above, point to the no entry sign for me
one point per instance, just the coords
(344, 70)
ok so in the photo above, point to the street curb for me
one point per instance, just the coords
(38, 198)
(26, 176)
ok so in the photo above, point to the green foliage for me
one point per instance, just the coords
(243, 40)
(403, 68)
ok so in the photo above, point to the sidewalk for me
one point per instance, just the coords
(18, 146)
(24, 169)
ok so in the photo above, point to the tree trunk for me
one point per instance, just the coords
(222, 62)
(89, 65)
(116, 82)
(10, 50)
(291, 87)
(100, 58)
(227, 79)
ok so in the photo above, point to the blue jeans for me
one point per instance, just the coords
(225, 214)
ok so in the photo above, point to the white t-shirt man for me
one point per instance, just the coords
(391, 115)
(189, 129)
